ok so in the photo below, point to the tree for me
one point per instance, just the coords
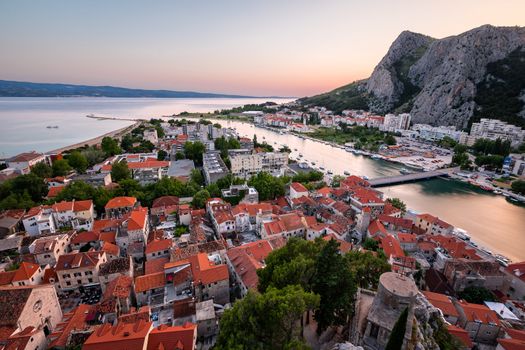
(285, 149)
(214, 190)
(60, 167)
(366, 268)
(390, 140)
(179, 156)
(78, 161)
(336, 180)
(200, 198)
(397, 336)
(196, 176)
(194, 151)
(42, 170)
(398, 203)
(268, 186)
(266, 321)
(110, 146)
(162, 154)
(292, 264)
(334, 283)
(120, 171)
(518, 186)
(128, 187)
(93, 155)
(371, 244)
(477, 295)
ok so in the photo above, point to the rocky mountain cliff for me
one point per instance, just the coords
(479, 73)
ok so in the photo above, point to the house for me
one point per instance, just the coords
(73, 321)
(516, 276)
(11, 222)
(285, 225)
(462, 335)
(27, 274)
(130, 336)
(164, 208)
(173, 337)
(117, 298)
(38, 221)
(513, 340)
(362, 198)
(407, 241)
(79, 269)
(482, 324)
(28, 339)
(221, 216)
(148, 171)
(432, 225)
(158, 248)
(75, 214)
(206, 318)
(250, 216)
(211, 279)
(244, 261)
(445, 304)
(184, 214)
(29, 306)
(150, 289)
(112, 269)
(23, 162)
(84, 240)
(118, 206)
(46, 250)
(95, 180)
(134, 229)
(297, 190)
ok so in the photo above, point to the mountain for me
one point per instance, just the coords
(449, 81)
(25, 89)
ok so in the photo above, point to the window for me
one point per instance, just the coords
(68, 283)
(66, 275)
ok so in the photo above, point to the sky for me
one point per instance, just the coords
(249, 47)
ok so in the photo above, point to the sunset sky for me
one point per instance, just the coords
(270, 47)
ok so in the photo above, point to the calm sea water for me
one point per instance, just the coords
(490, 220)
(23, 120)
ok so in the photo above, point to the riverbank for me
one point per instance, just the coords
(98, 140)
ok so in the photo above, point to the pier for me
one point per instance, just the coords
(392, 180)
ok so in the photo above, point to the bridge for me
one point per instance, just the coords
(393, 180)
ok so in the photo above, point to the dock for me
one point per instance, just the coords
(393, 180)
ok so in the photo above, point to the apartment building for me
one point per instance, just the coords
(247, 164)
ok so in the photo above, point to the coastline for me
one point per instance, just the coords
(97, 140)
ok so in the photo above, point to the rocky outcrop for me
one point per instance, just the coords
(444, 72)
(384, 83)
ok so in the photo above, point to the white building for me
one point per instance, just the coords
(23, 162)
(246, 164)
(39, 220)
(493, 129)
(151, 136)
(436, 133)
(393, 122)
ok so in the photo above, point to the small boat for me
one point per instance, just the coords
(313, 163)
(300, 154)
(496, 192)
(502, 262)
(376, 156)
(405, 171)
(346, 172)
(295, 149)
(52, 126)
(365, 177)
(281, 133)
(329, 172)
(321, 168)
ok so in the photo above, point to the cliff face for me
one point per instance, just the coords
(436, 79)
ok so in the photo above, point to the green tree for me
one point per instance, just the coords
(292, 264)
(518, 186)
(477, 295)
(390, 140)
(214, 190)
(268, 186)
(120, 171)
(371, 244)
(336, 180)
(93, 155)
(194, 151)
(110, 146)
(162, 154)
(196, 176)
(285, 148)
(366, 268)
(200, 198)
(128, 187)
(335, 285)
(179, 156)
(42, 170)
(78, 161)
(398, 203)
(266, 321)
(395, 341)
(61, 167)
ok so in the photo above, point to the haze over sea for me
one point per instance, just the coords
(24, 120)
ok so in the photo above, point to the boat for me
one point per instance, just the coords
(376, 156)
(502, 262)
(295, 149)
(346, 173)
(365, 177)
(405, 171)
(349, 149)
(496, 192)
(321, 168)
(460, 233)
(300, 154)
(329, 172)
(313, 163)
(52, 126)
(281, 133)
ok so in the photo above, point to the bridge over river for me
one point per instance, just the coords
(392, 180)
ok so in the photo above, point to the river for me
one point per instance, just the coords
(490, 220)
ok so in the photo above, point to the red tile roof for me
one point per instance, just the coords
(391, 246)
(205, 272)
(155, 265)
(63, 206)
(6, 277)
(173, 337)
(149, 164)
(512, 344)
(77, 260)
(442, 302)
(406, 238)
(25, 157)
(119, 202)
(54, 191)
(151, 281)
(325, 191)
(129, 336)
(25, 271)
(137, 219)
(158, 245)
(298, 187)
(82, 205)
(461, 334)
(84, 237)
(476, 312)
(110, 248)
(247, 259)
(517, 269)
(165, 201)
(74, 320)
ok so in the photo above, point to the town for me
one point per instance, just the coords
(181, 234)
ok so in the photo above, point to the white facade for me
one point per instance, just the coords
(246, 165)
(493, 129)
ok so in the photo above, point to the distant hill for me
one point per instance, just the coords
(450, 81)
(25, 89)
